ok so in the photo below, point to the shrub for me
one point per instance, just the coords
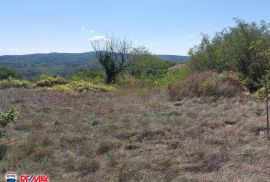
(85, 86)
(149, 81)
(147, 65)
(252, 85)
(174, 75)
(49, 81)
(260, 94)
(8, 117)
(63, 88)
(242, 48)
(216, 85)
(81, 86)
(5, 73)
(92, 74)
(189, 86)
(14, 83)
(206, 83)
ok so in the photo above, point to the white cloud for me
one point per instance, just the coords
(11, 51)
(98, 38)
(87, 30)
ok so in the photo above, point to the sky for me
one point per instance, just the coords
(163, 26)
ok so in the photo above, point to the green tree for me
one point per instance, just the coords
(147, 65)
(114, 55)
(5, 73)
(229, 50)
(89, 73)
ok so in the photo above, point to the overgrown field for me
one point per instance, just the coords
(134, 135)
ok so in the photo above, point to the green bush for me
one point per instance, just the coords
(168, 77)
(148, 65)
(86, 86)
(260, 94)
(242, 49)
(49, 81)
(6, 118)
(92, 74)
(174, 75)
(14, 83)
(6, 73)
(82, 86)
(252, 85)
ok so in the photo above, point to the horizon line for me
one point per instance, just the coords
(22, 54)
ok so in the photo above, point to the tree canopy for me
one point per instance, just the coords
(113, 54)
(235, 49)
(6, 73)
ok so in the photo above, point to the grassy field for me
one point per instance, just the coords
(134, 135)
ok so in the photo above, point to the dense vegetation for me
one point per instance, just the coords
(237, 57)
(243, 49)
(5, 73)
(6, 118)
(242, 53)
(147, 65)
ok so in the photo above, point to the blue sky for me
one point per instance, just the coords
(163, 26)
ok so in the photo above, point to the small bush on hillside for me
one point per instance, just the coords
(81, 86)
(14, 83)
(147, 65)
(61, 88)
(92, 74)
(86, 86)
(174, 75)
(188, 87)
(260, 94)
(206, 83)
(5, 119)
(5, 73)
(168, 77)
(49, 81)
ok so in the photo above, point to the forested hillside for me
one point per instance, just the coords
(62, 64)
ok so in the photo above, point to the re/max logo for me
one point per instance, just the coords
(34, 178)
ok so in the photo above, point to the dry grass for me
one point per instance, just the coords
(206, 83)
(134, 136)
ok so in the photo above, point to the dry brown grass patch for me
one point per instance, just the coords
(206, 83)
(144, 139)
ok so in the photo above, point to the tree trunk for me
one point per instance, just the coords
(110, 77)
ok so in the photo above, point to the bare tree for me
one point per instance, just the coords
(114, 55)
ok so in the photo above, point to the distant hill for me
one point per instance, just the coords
(174, 58)
(63, 64)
